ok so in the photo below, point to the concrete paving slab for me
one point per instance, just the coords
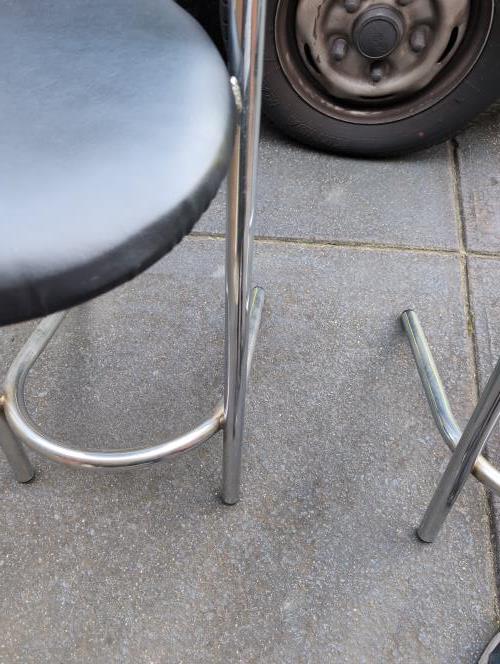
(479, 158)
(319, 562)
(484, 275)
(484, 278)
(317, 196)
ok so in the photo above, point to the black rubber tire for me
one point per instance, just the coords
(285, 108)
(206, 13)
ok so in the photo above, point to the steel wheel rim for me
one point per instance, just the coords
(457, 63)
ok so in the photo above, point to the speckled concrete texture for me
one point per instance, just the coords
(315, 196)
(479, 157)
(319, 562)
(484, 278)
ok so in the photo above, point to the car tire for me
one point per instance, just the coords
(431, 118)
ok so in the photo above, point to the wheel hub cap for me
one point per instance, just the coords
(377, 32)
(374, 52)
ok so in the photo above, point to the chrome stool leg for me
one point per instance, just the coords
(246, 44)
(14, 451)
(466, 446)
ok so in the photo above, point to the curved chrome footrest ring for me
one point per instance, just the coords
(23, 427)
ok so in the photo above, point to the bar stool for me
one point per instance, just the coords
(118, 122)
(466, 446)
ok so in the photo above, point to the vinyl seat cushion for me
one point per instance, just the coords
(116, 125)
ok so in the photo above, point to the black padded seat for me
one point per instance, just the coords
(116, 125)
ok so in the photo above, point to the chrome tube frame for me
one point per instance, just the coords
(466, 446)
(23, 427)
(16, 456)
(246, 50)
(243, 304)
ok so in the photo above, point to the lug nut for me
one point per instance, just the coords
(339, 49)
(418, 40)
(377, 72)
(352, 6)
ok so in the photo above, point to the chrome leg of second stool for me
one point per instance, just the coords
(246, 43)
(14, 452)
(474, 438)
(466, 455)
